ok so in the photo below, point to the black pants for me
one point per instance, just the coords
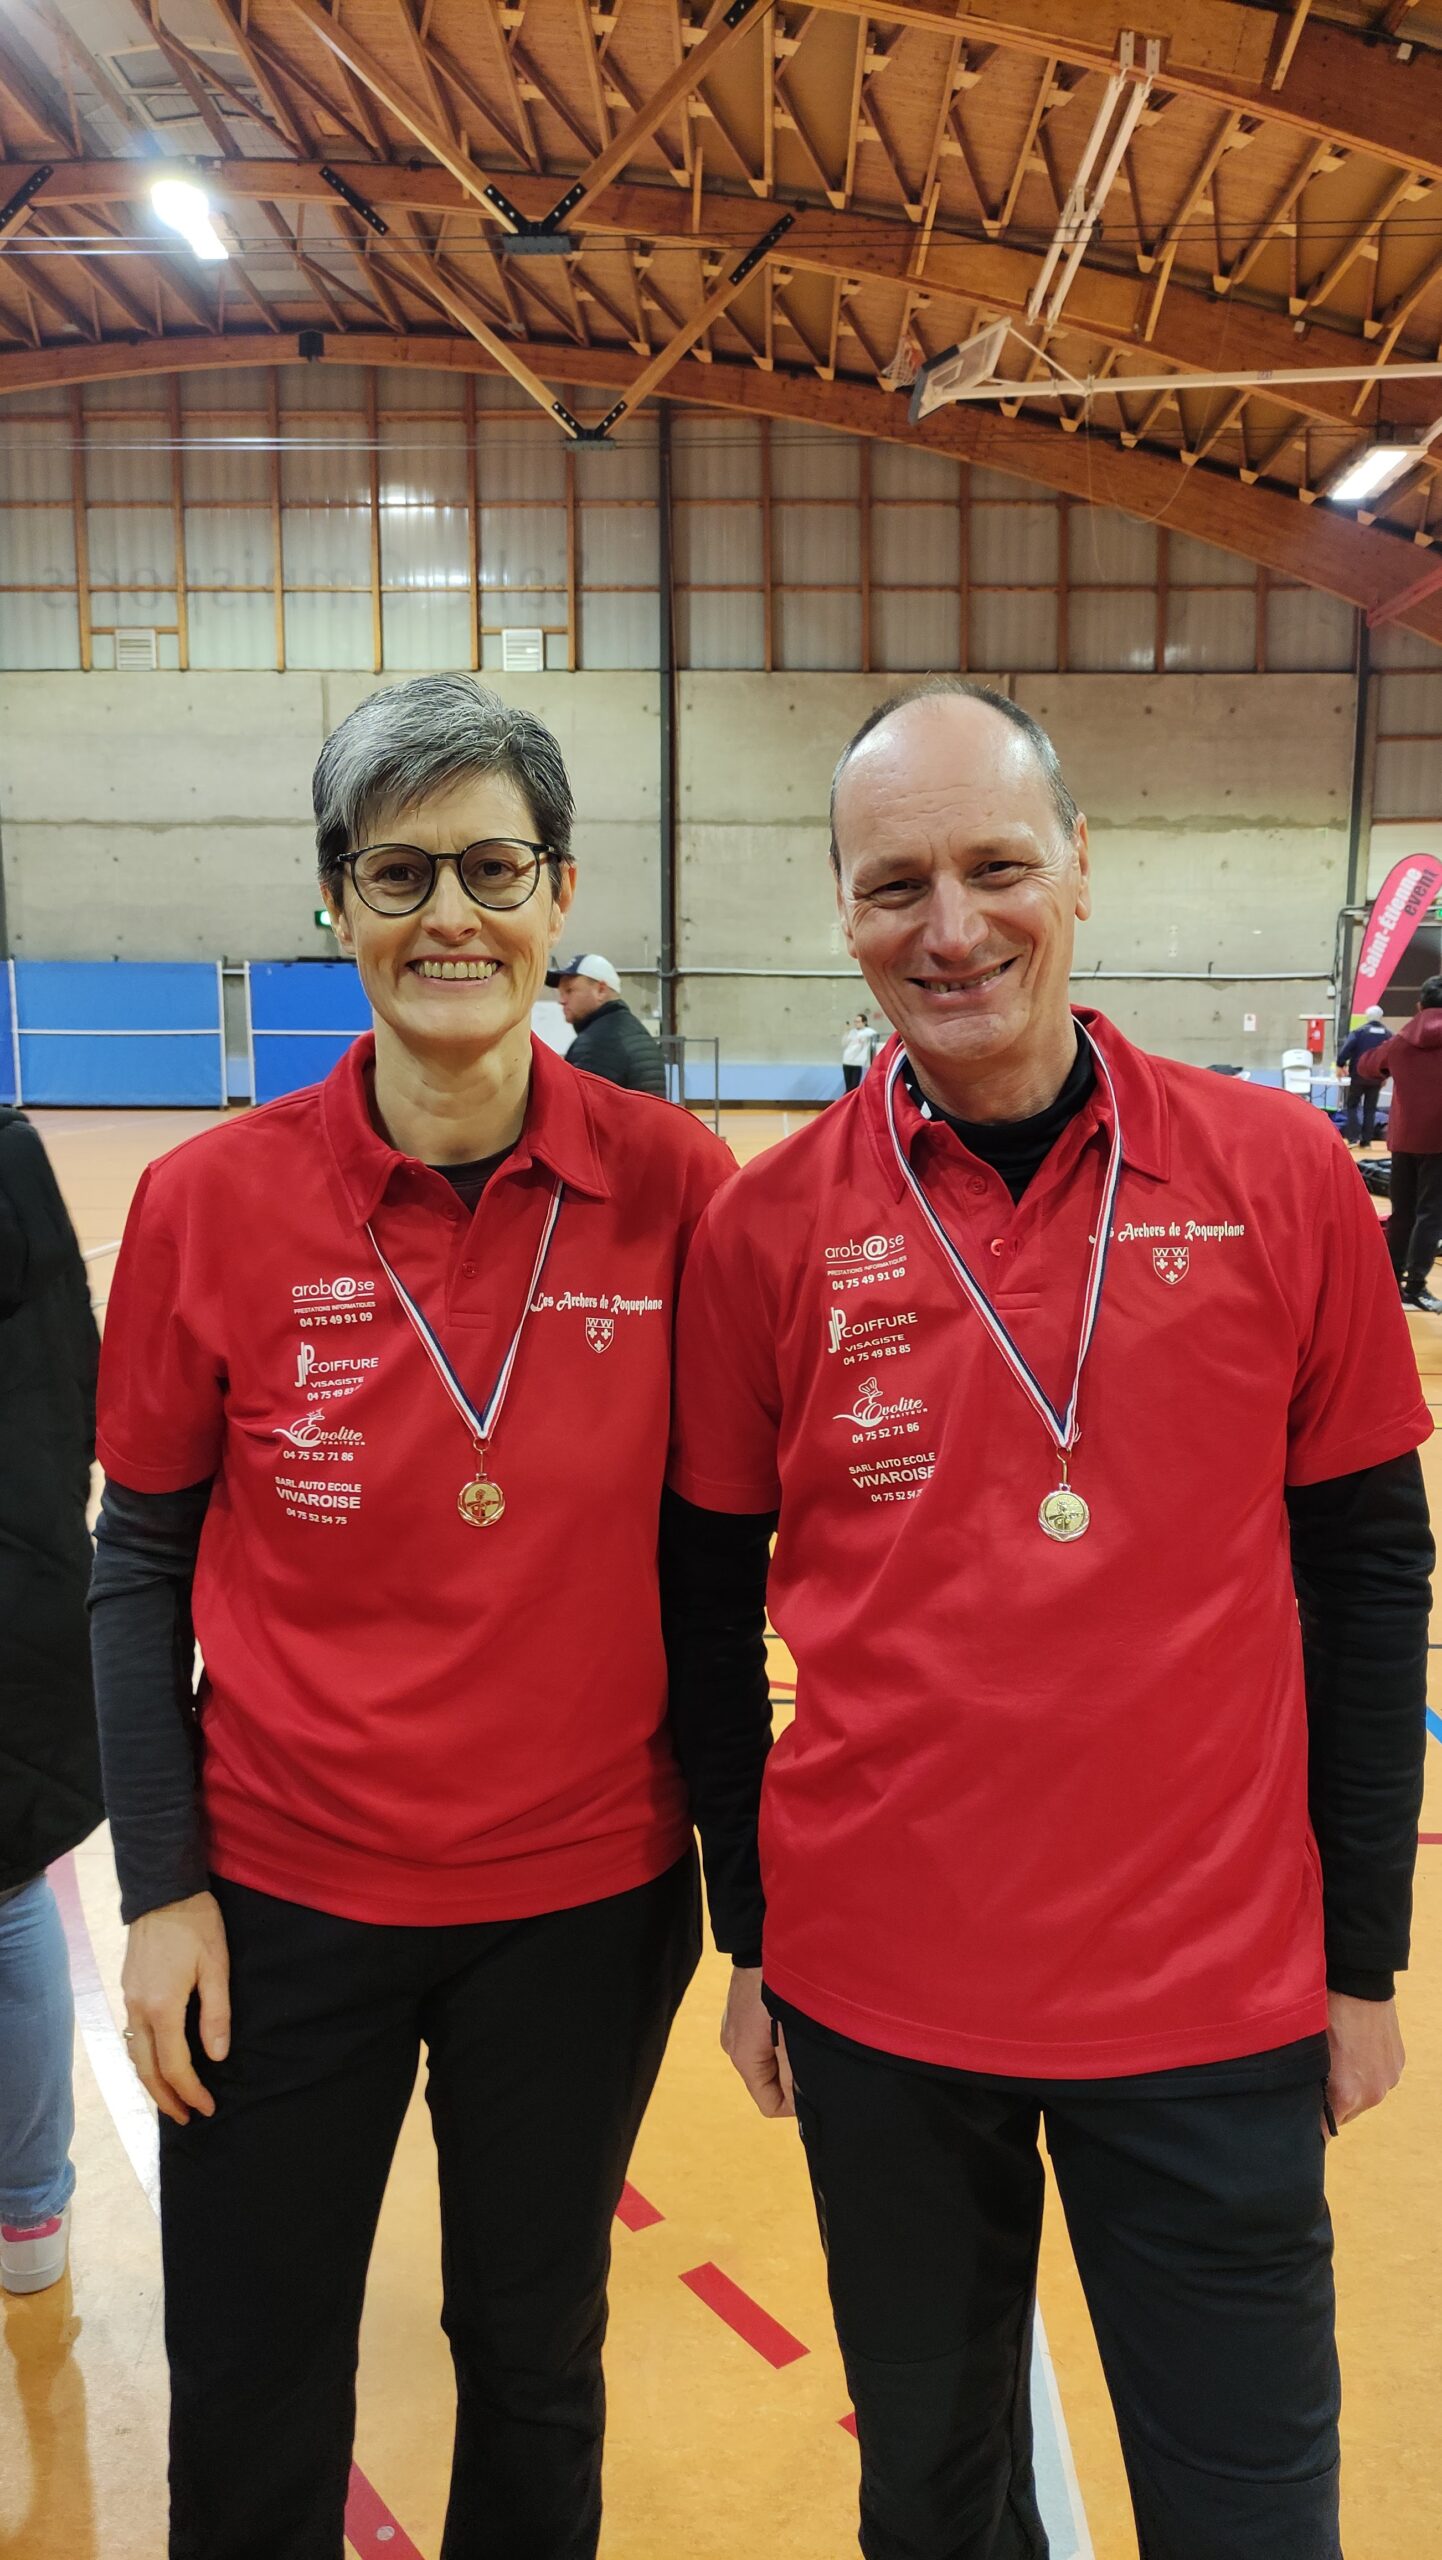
(1362, 1101)
(851, 1078)
(544, 2038)
(1415, 1228)
(1201, 2233)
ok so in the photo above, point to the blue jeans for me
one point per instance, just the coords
(37, 2036)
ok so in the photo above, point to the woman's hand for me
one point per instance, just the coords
(755, 2046)
(171, 1952)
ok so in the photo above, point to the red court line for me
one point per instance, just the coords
(370, 2526)
(744, 2316)
(849, 2422)
(1430, 1839)
(635, 2212)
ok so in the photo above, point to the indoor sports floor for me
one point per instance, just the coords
(727, 2436)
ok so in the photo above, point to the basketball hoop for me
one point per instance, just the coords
(906, 363)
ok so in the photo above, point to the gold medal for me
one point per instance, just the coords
(481, 1502)
(1064, 1515)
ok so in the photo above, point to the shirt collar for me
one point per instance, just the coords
(1141, 1101)
(559, 1129)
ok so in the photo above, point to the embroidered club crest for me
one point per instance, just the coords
(600, 1332)
(1170, 1261)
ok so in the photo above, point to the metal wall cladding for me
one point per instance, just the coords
(816, 546)
(1108, 550)
(807, 462)
(620, 630)
(1408, 782)
(817, 630)
(618, 546)
(715, 458)
(914, 633)
(229, 549)
(523, 547)
(1210, 632)
(325, 462)
(127, 466)
(426, 630)
(1198, 564)
(1391, 646)
(915, 546)
(37, 549)
(518, 461)
(423, 463)
(1014, 546)
(328, 631)
(425, 547)
(717, 546)
(35, 462)
(720, 630)
(1014, 633)
(230, 466)
(131, 546)
(627, 465)
(39, 631)
(908, 471)
(326, 547)
(1410, 704)
(232, 631)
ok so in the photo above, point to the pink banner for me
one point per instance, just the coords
(1397, 910)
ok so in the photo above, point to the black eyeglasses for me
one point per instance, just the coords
(398, 879)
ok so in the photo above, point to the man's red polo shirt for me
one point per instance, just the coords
(1043, 1808)
(407, 1718)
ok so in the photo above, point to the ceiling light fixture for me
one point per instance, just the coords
(1372, 471)
(184, 207)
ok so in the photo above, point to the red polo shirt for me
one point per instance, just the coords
(407, 1718)
(1043, 1808)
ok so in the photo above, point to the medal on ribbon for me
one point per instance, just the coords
(480, 1500)
(1063, 1514)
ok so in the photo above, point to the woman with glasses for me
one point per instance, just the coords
(384, 1405)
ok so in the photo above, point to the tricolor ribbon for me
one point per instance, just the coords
(1064, 1425)
(479, 1424)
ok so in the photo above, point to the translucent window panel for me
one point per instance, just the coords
(248, 387)
(620, 631)
(422, 388)
(720, 631)
(1307, 630)
(135, 393)
(39, 631)
(324, 461)
(916, 546)
(523, 547)
(715, 458)
(232, 631)
(907, 471)
(230, 470)
(916, 634)
(518, 460)
(1394, 647)
(1012, 634)
(816, 546)
(35, 459)
(522, 608)
(1210, 634)
(1108, 550)
(131, 546)
(326, 546)
(1014, 546)
(625, 466)
(998, 484)
(426, 631)
(36, 549)
(425, 547)
(228, 550)
(1409, 778)
(1111, 631)
(717, 546)
(328, 631)
(812, 462)
(618, 546)
(1411, 702)
(423, 464)
(324, 386)
(141, 612)
(121, 466)
(1200, 564)
(818, 631)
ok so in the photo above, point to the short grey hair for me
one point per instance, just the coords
(409, 740)
(966, 689)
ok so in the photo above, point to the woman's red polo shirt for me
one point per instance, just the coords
(1043, 1808)
(406, 1718)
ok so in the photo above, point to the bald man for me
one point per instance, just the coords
(1076, 1388)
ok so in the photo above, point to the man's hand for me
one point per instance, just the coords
(171, 1952)
(755, 2045)
(1367, 2055)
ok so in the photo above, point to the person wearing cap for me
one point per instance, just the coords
(340, 1331)
(609, 1040)
(1073, 1386)
(1362, 1096)
(1413, 1060)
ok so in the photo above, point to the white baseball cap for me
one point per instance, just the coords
(590, 964)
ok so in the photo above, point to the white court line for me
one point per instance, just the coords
(130, 2110)
(102, 1252)
(1042, 2364)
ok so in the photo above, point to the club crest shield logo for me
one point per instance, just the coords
(600, 1332)
(1170, 1262)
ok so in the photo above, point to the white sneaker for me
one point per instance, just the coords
(34, 2255)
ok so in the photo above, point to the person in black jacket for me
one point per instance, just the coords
(609, 1040)
(49, 1757)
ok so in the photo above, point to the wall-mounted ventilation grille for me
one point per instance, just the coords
(135, 653)
(523, 653)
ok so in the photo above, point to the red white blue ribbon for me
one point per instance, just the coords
(482, 1423)
(1064, 1423)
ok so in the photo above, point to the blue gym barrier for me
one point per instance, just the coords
(9, 1050)
(304, 1015)
(127, 1032)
